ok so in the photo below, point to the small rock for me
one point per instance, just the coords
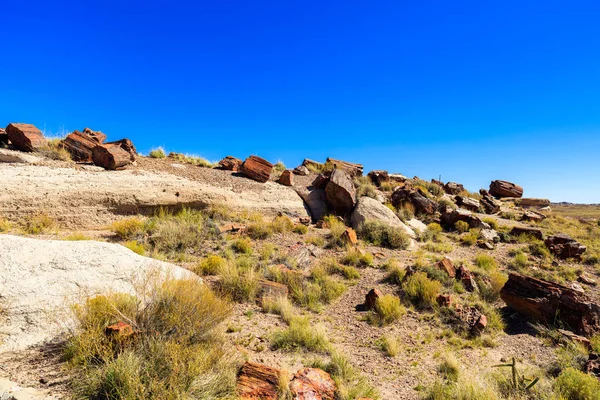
(349, 236)
(301, 170)
(444, 300)
(371, 298)
(312, 384)
(446, 265)
(286, 178)
(230, 163)
(587, 279)
(120, 329)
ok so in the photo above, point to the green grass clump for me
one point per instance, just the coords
(395, 272)
(486, 262)
(421, 290)
(349, 382)
(336, 231)
(491, 286)
(55, 151)
(433, 232)
(135, 246)
(300, 229)
(358, 258)
(242, 246)
(175, 343)
(76, 236)
(239, 284)
(449, 368)
(158, 152)
(301, 334)
(492, 222)
(438, 247)
(364, 187)
(387, 310)
(461, 226)
(280, 306)
(210, 265)
(38, 223)
(279, 167)
(519, 262)
(5, 225)
(572, 384)
(384, 235)
(469, 239)
(389, 345)
(128, 228)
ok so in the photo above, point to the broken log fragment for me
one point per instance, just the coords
(501, 189)
(110, 156)
(26, 137)
(257, 168)
(549, 302)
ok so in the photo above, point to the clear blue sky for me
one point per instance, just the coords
(469, 90)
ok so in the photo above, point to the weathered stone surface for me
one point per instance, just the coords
(13, 156)
(371, 298)
(422, 204)
(466, 277)
(304, 254)
(80, 144)
(230, 163)
(378, 177)
(489, 235)
(467, 203)
(126, 145)
(531, 202)
(286, 178)
(505, 189)
(526, 230)
(350, 237)
(110, 157)
(468, 320)
(416, 225)
(453, 188)
(258, 382)
(316, 202)
(446, 265)
(564, 246)
(530, 215)
(488, 203)
(452, 217)
(340, 192)
(120, 329)
(397, 178)
(320, 181)
(257, 168)
(572, 337)
(351, 169)
(25, 137)
(312, 384)
(368, 209)
(301, 170)
(444, 300)
(545, 301)
(592, 365)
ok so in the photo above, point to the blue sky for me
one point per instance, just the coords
(469, 90)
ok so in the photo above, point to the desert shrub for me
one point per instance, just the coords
(158, 152)
(438, 247)
(406, 211)
(301, 229)
(242, 246)
(178, 233)
(258, 228)
(135, 246)
(490, 287)
(444, 203)
(280, 306)
(421, 290)
(519, 261)
(279, 167)
(5, 225)
(55, 151)
(388, 186)
(267, 251)
(387, 310)
(282, 224)
(315, 240)
(389, 345)
(539, 249)
(38, 223)
(336, 231)
(432, 232)
(384, 235)
(75, 237)
(486, 262)
(576, 385)
(358, 258)
(210, 265)
(176, 344)
(449, 368)
(238, 284)
(395, 272)
(350, 383)
(189, 159)
(301, 334)
(364, 187)
(469, 239)
(128, 228)
(461, 226)
(492, 222)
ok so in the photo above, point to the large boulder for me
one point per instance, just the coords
(453, 188)
(257, 168)
(378, 177)
(110, 156)
(468, 203)
(80, 144)
(488, 203)
(340, 192)
(452, 217)
(3, 137)
(126, 145)
(26, 137)
(502, 189)
(41, 279)
(316, 202)
(368, 209)
(422, 203)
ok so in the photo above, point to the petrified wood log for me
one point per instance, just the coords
(418, 199)
(450, 218)
(25, 137)
(258, 381)
(520, 230)
(80, 144)
(548, 302)
(453, 188)
(378, 177)
(230, 163)
(352, 169)
(468, 203)
(126, 145)
(564, 246)
(257, 168)
(505, 189)
(110, 156)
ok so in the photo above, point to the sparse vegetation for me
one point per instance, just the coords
(486, 262)
(461, 226)
(364, 187)
(387, 310)
(383, 235)
(128, 228)
(158, 152)
(337, 229)
(421, 290)
(76, 236)
(358, 258)
(300, 334)
(38, 223)
(135, 246)
(389, 345)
